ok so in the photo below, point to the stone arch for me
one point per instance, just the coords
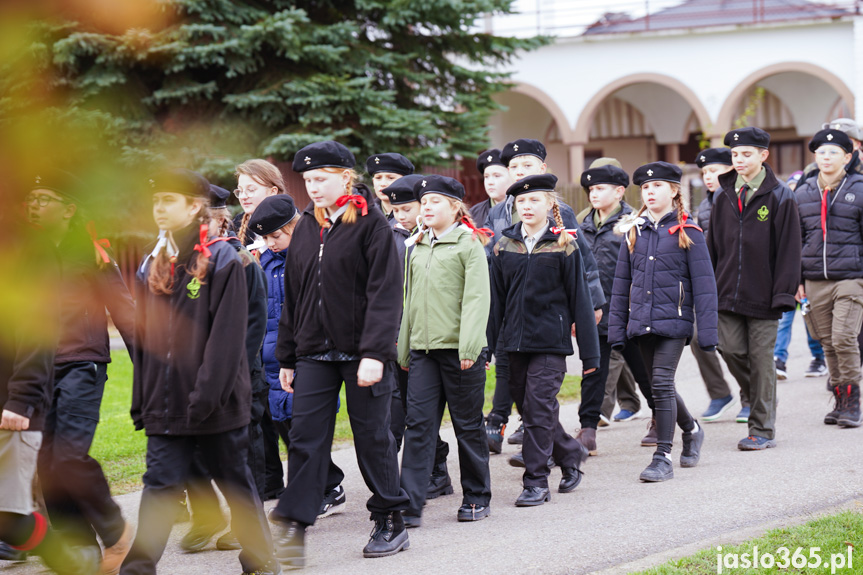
(581, 132)
(726, 114)
(550, 105)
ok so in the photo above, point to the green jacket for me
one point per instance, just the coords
(448, 297)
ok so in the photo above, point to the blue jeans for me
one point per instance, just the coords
(783, 338)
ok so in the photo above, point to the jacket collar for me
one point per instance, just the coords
(589, 225)
(450, 238)
(514, 232)
(728, 179)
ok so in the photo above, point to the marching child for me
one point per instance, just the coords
(443, 342)
(606, 186)
(539, 284)
(337, 327)
(754, 245)
(831, 216)
(384, 170)
(191, 388)
(713, 162)
(663, 280)
(256, 179)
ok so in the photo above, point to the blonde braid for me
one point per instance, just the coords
(241, 235)
(683, 240)
(564, 237)
(632, 233)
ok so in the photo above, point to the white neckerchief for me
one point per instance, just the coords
(162, 243)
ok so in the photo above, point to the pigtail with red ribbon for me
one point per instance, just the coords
(557, 231)
(357, 200)
(475, 230)
(99, 244)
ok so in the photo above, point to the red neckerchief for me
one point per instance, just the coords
(744, 189)
(679, 226)
(99, 244)
(557, 231)
(356, 200)
(484, 231)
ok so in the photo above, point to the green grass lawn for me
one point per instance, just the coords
(835, 535)
(121, 450)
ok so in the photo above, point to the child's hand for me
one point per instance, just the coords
(467, 364)
(589, 371)
(487, 366)
(801, 294)
(286, 378)
(573, 327)
(597, 313)
(369, 372)
(14, 422)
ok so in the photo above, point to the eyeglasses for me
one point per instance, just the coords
(248, 192)
(832, 151)
(42, 199)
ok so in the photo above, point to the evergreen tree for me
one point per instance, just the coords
(225, 80)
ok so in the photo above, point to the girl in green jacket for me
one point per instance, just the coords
(442, 340)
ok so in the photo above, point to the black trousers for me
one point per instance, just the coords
(316, 391)
(169, 462)
(399, 410)
(436, 380)
(632, 356)
(335, 475)
(76, 492)
(534, 381)
(274, 474)
(661, 356)
(502, 400)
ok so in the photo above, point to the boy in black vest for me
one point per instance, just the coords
(754, 244)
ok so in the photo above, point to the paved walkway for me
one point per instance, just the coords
(612, 522)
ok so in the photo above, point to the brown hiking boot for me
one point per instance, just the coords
(650, 439)
(587, 437)
(114, 555)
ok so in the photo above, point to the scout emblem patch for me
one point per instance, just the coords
(194, 287)
(762, 213)
(849, 197)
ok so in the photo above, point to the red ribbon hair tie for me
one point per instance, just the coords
(356, 200)
(204, 245)
(484, 231)
(100, 244)
(674, 229)
(557, 231)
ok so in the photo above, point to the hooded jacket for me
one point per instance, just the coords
(538, 295)
(191, 364)
(281, 402)
(756, 254)
(660, 287)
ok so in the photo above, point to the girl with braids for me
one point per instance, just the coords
(443, 343)
(256, 180)
(540, 298)
(191, 389)
(337, 325)
(663, 280)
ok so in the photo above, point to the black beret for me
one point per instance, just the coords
(435, 184)
(607, 174)
(218, 196)
(535, 183)
(404, 190)
(657, 171)
(61, 182)
(181, 181)
(327, 154)
(747, 137)
(273, 213)
(522, 147)
(833, 138)
(714, 156)
(489, 158)
(392, 163)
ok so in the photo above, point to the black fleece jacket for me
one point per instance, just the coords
(191, 363)
(756, 254)
(342, 290)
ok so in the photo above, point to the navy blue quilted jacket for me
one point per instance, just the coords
(659, 287)
(281, 402)
(840, 257)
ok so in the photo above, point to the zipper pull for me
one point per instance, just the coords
(321, 252)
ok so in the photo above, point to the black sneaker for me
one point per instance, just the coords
(199, 536)
(494, 428)
(817, 368)
(517, 438)
(388, 537)
(473, 512)
(781, 373)
(692, 442)
(334, 502)
(9, 553)
(289, 543)
(660, 469)
(271, 568)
